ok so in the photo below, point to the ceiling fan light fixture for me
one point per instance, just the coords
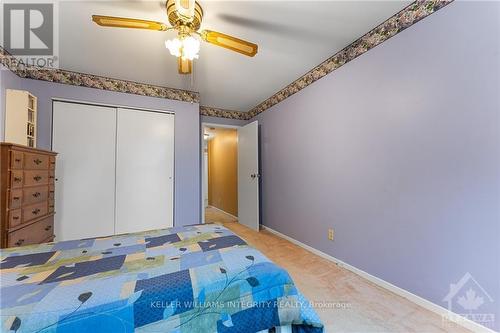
(186, 47)
(174, 46)
(190, 48)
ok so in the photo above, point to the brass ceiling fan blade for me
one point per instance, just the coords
(230, 42)
(123, 22)
(184, 65)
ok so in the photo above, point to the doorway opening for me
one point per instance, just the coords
(220, 174)
(231, 176)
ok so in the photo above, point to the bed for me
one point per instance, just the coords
(200, 278)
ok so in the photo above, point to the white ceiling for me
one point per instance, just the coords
(293, 37)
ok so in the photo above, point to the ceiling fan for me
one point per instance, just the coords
(185, 17)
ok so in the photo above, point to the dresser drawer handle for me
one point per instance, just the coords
(47, 228)
(37, 178)
(17, 179)
(35, 211)
(36, 194)
(17, 160)
(15, 217)
(19, 242)
(37, 161)
(16, 198)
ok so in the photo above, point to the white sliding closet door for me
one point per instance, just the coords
(144, 170)
(84, 136)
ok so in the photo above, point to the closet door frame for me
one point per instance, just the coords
(117, 107)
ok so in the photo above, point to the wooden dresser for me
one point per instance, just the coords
(26, 195)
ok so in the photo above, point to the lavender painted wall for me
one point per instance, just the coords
(187, 134)
(399, 151)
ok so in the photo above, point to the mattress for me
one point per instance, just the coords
(200, 278)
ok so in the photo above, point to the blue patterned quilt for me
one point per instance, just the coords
(199, 278)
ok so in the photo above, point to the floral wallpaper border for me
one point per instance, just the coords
(223, 113)
(94, 81)
(389, 28)
(392, 26)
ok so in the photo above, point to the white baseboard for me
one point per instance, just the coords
(443, 312)
(223, 211)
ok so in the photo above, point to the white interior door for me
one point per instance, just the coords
(248, 175)
(144, 170)
(84, 137)
(205, 180)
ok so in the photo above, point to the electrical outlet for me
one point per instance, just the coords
(330, 234)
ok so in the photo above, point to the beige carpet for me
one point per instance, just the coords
(362, 306)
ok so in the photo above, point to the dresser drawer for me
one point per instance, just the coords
(36, 161)
(34, 211)
(52, 162)
(16, 160)
(15, 217)
(15, 198)
(32, 234)
(33, 195)
(16, 178)
(36, 177)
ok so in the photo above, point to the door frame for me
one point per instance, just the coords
(202, 162)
